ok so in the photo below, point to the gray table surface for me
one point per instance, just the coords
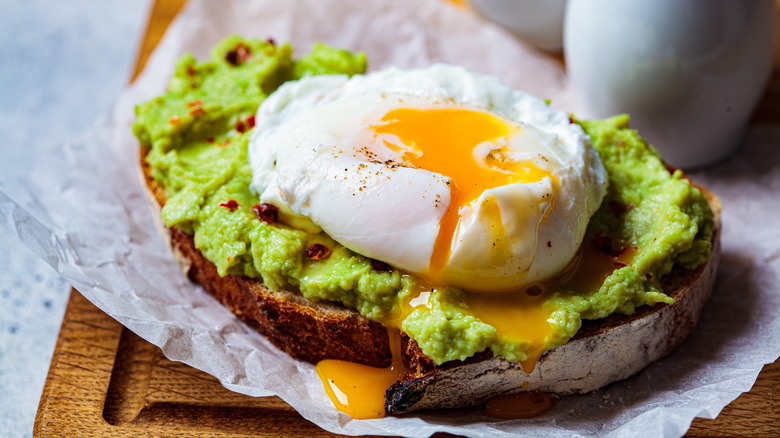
(63, 63)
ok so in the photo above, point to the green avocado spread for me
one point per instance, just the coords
(197, 134)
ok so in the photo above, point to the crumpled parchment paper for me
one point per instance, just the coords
(84, 212)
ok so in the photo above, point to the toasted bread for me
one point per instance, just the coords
(616, 347)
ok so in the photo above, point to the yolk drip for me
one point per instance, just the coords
(515, 315)
(443, 141)
(359, 390)
(524, 405)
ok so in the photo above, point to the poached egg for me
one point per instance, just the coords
(440, 172)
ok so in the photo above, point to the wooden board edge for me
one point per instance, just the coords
(69, 404)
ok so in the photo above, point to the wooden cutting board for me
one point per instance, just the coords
(104, 381)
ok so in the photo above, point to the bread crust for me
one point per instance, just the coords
(616, 347)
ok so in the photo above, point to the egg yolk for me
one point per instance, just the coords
(467, 146)
(359, 390)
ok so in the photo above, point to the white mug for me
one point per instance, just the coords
(688, 72)
(539, 22)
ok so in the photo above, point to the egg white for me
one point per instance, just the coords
(312, 155)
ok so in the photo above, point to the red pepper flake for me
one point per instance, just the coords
(549, 244)
(231, 205)
(174, 120)
(209, 139)
(240, 127)
(270, 41)
(250, 121)
(232, 57)
(317, 251)
(267, 213)
(649, 276)
(239, 55)
(191, 70)
(196, 107)
(619, 265)
(571, 119)
(381, 266)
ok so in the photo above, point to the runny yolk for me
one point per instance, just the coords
(515, 315)
(524, 405)
(448, 141)
(359, 390)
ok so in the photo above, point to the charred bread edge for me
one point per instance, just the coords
(615, 348)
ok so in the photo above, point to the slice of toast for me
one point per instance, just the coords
(616, 347)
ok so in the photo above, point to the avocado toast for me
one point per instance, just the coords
(207, 126)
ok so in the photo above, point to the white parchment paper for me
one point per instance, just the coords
(84, 212)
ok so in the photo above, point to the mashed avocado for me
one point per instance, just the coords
(197, 134)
